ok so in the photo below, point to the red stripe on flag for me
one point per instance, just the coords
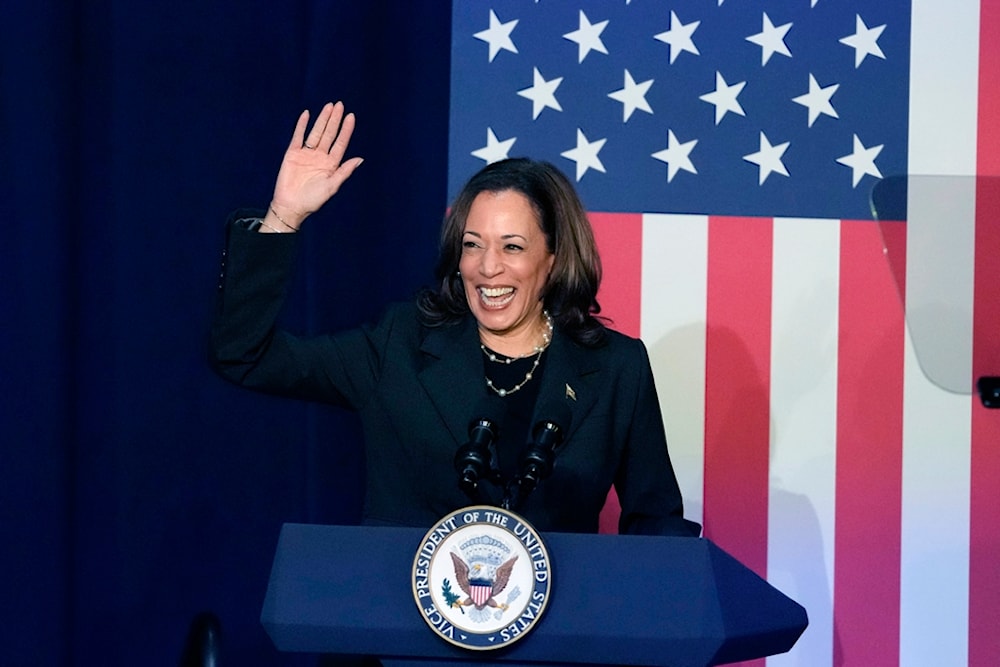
(984, 514)
(867, 529)
(737, 386)
(988, 132)
(984, 510)
(619, 240)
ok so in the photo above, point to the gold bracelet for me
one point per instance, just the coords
(264, 224)
(280, 219)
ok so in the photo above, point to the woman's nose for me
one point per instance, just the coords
(491, 263)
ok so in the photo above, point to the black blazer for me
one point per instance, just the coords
(417, 388)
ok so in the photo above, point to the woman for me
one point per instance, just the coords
(512, 319)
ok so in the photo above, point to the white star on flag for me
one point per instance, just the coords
(542, 94)
(771, 40)
(724, 97)
(588, 36)
(864, 41)
(585, 154)
(494, 150)
(601, 71)
(861, 161)
(817, 100)
(498, 36)
(676, 155)
(679, 37)
(768, 158)
(632, 96)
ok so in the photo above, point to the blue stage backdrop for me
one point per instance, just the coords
(136, 488)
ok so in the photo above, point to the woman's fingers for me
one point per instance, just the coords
(298, 135)
(343, 173)
(315, 137)
(342, 139)
(330, 133)
(332, 126)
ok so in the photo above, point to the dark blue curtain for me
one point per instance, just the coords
(136, 488)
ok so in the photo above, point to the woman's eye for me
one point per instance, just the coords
(514, 247)
(468, 244)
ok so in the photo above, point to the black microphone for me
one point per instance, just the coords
(477, 459)
(537, 461)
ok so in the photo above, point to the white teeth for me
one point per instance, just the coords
(496, 296)
(494, 292)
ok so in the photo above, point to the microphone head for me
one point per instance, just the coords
(555, 416)
(476, 459)
(489, 413)
(546, 436)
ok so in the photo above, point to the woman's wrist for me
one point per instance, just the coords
(279, 220)
(266, 228)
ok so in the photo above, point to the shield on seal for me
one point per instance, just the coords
(480, 590)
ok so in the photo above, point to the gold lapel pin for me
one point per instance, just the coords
(570, 393)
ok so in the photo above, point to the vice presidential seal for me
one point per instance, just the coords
(481, 578)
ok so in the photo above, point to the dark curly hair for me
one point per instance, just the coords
(570, 295)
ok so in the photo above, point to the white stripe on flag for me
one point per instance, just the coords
(934, 572)
(674, 270)
(801, 511)
(943, 87)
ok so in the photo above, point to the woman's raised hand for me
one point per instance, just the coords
(313, 168)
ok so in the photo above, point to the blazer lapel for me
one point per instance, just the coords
(572, 376)
(452, 375)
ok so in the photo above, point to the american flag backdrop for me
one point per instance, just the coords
(727, 150)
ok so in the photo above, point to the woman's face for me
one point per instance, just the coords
(505, 264)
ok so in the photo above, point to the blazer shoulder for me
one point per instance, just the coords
(401, 322)
(617, 343)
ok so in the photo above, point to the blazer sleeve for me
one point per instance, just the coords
(647, 488)
(246, 347)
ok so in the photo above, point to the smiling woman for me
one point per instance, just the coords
(511, 329)
(518, 192)
(506, 261)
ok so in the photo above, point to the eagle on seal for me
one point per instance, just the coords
(475, 583)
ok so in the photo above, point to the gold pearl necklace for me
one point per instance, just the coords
(537, 351)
